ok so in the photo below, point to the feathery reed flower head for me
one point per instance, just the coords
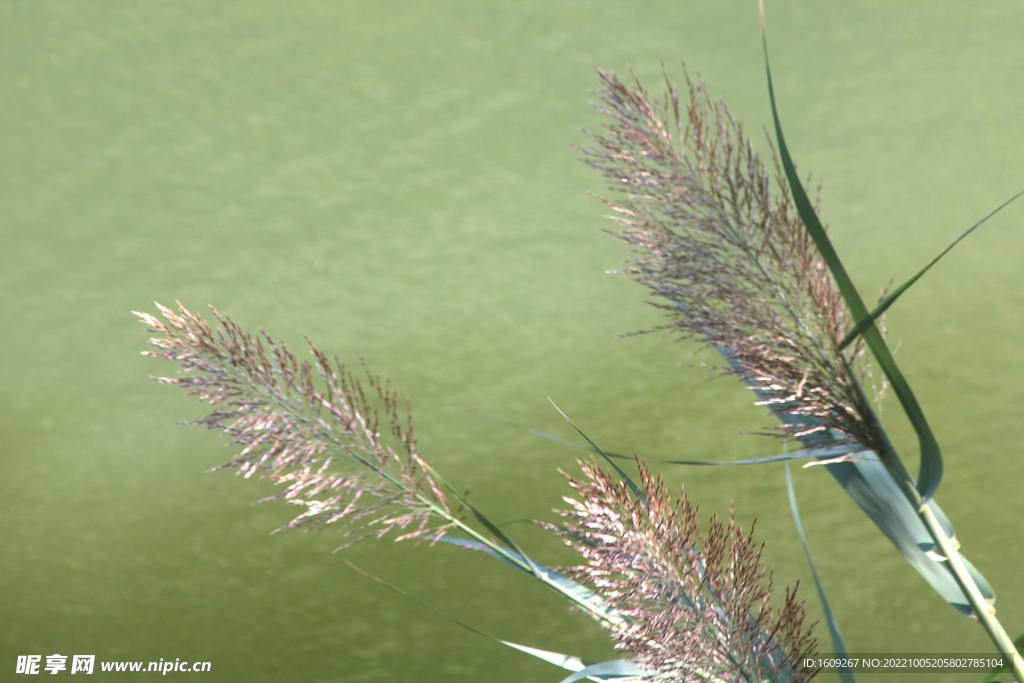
(729, 257)
(698, 606)
(322, 439)
(680, 610)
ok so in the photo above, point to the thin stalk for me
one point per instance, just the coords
(522, 562)
(540, 575)
(515, 556)
(278, 416)
(984, 611)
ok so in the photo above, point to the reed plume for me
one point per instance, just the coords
(728, 257)
(311, 427)
(316, 430)
(697, 606)
(738, 263)
(725, 252)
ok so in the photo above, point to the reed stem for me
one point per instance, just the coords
(983, 610)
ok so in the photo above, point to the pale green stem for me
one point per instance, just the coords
(985, 612)
(327, 434)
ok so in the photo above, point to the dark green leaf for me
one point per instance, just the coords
(891, 298)
(930, 474)
(566, 585)
(641, 496)
(845, 673)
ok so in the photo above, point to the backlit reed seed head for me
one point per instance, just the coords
(727, 256)
(698, 606)
(311, 427)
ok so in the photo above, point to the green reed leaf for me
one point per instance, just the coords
(565, 585)
(845, 673)
(567, 662)
(605, 671)
(582, 668)
(634, 489)
(930, 473)
(479, 516)
(821, 452)
(423, 602)
(869, 484)
(891, 298)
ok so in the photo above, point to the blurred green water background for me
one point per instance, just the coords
(395, 180)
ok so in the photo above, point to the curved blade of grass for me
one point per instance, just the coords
(582, 593)
(423, 602)
(869, 484)
(567, 662)
(605, 671)
(930, 473)
(480, 517)
(483, 547)
(817, 452)
(634, 489)
(845, 673)
(514, 555)
(891, 298)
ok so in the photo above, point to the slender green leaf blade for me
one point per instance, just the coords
(563, 583)
(483, 547)
(871, 487)
(891, 298)
(567, 662)
(845, 673)
(513, 554)
(636, 491)
(582, 668)
(930, 474)
(819, 452)
(423, 602)
(606, 671)
(480, 517)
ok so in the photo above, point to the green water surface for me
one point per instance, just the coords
(395, 179)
